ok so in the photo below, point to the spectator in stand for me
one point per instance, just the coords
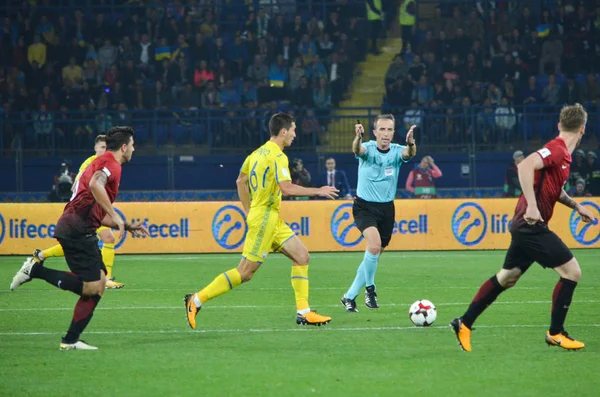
(43, 124)
(551, 93)
(506, 120)
(300, 175)
(36, 53)
(512, 186)
(337, 179)
(211, 98)
(580, 189)
(423, 92)
(258, 72)
(578, 167)
(202, 75)
(107, 55)
(552, 51)
(593, 174)
(591, 89)
(421, 180)
(570, 93)
(72, 73)
(303, 96)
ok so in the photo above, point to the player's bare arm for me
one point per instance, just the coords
(586, 215)
(243, 191)
(564, 199)
(289, 189)
(98, 189)
(357, 148)
(526, 170)
(410, 150)
(137, 228)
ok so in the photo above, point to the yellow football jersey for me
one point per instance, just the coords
(84, 165)
(266, 167)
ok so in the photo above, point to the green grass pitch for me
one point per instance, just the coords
(247, 342)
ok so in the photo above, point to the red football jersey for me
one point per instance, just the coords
(549, 181)
(82, 215)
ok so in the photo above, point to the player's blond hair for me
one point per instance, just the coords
(100, 138)
(573, 117)
(387, 116)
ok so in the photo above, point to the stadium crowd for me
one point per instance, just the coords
(496, 69)
(76, 74)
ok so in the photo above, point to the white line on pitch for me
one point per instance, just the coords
(25, 309)
(299, 329)
(340, 288)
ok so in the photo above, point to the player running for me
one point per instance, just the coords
(263, 178)
(543, 175)
(379, 164)
(105, 233)
(90, 206)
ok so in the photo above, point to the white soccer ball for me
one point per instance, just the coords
(422, 313)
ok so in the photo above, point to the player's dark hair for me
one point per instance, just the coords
(100, 138)
(117, 137)
(573, 117)
(383, 117)
(279, 121)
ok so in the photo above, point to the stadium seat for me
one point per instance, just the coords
(198, 133)
(180, 134)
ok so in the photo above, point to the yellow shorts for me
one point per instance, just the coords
(266, 233)
(101, 228)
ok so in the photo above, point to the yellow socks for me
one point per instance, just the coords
(56, 250)
(300, 285)
(220, 285)
(108, 257)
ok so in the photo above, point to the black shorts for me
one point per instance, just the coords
(379, 215)
(83, 257)
(536, 244)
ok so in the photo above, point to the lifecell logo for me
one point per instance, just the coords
(469, 224)
(229, 227)
(343, 228)
(585, 233)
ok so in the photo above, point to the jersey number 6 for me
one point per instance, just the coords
(254, 177)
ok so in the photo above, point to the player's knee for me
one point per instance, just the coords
(574, 271)
(246, 272)
(508, 278)
(303, 258)
(95, 288)
(108, 238)
(374, 248)
(246, 275)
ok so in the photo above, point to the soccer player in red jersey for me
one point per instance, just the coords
(90, 207)
(543, 175)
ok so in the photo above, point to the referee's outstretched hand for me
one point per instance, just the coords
(410, 138)
(359, 129)
(328, 192)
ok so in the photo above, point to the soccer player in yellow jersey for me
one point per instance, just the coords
(263, 179)
(105, 233)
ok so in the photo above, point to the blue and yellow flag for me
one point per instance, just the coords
(276, 80)
(543, 30)
(162, 53)
(80, 40)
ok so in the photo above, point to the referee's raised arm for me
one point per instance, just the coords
(410, 150)
(357, 148)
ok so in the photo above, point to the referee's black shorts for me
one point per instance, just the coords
(379, 215)
(536, 244)
(83, 257)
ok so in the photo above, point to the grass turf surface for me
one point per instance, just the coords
(247, 342)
